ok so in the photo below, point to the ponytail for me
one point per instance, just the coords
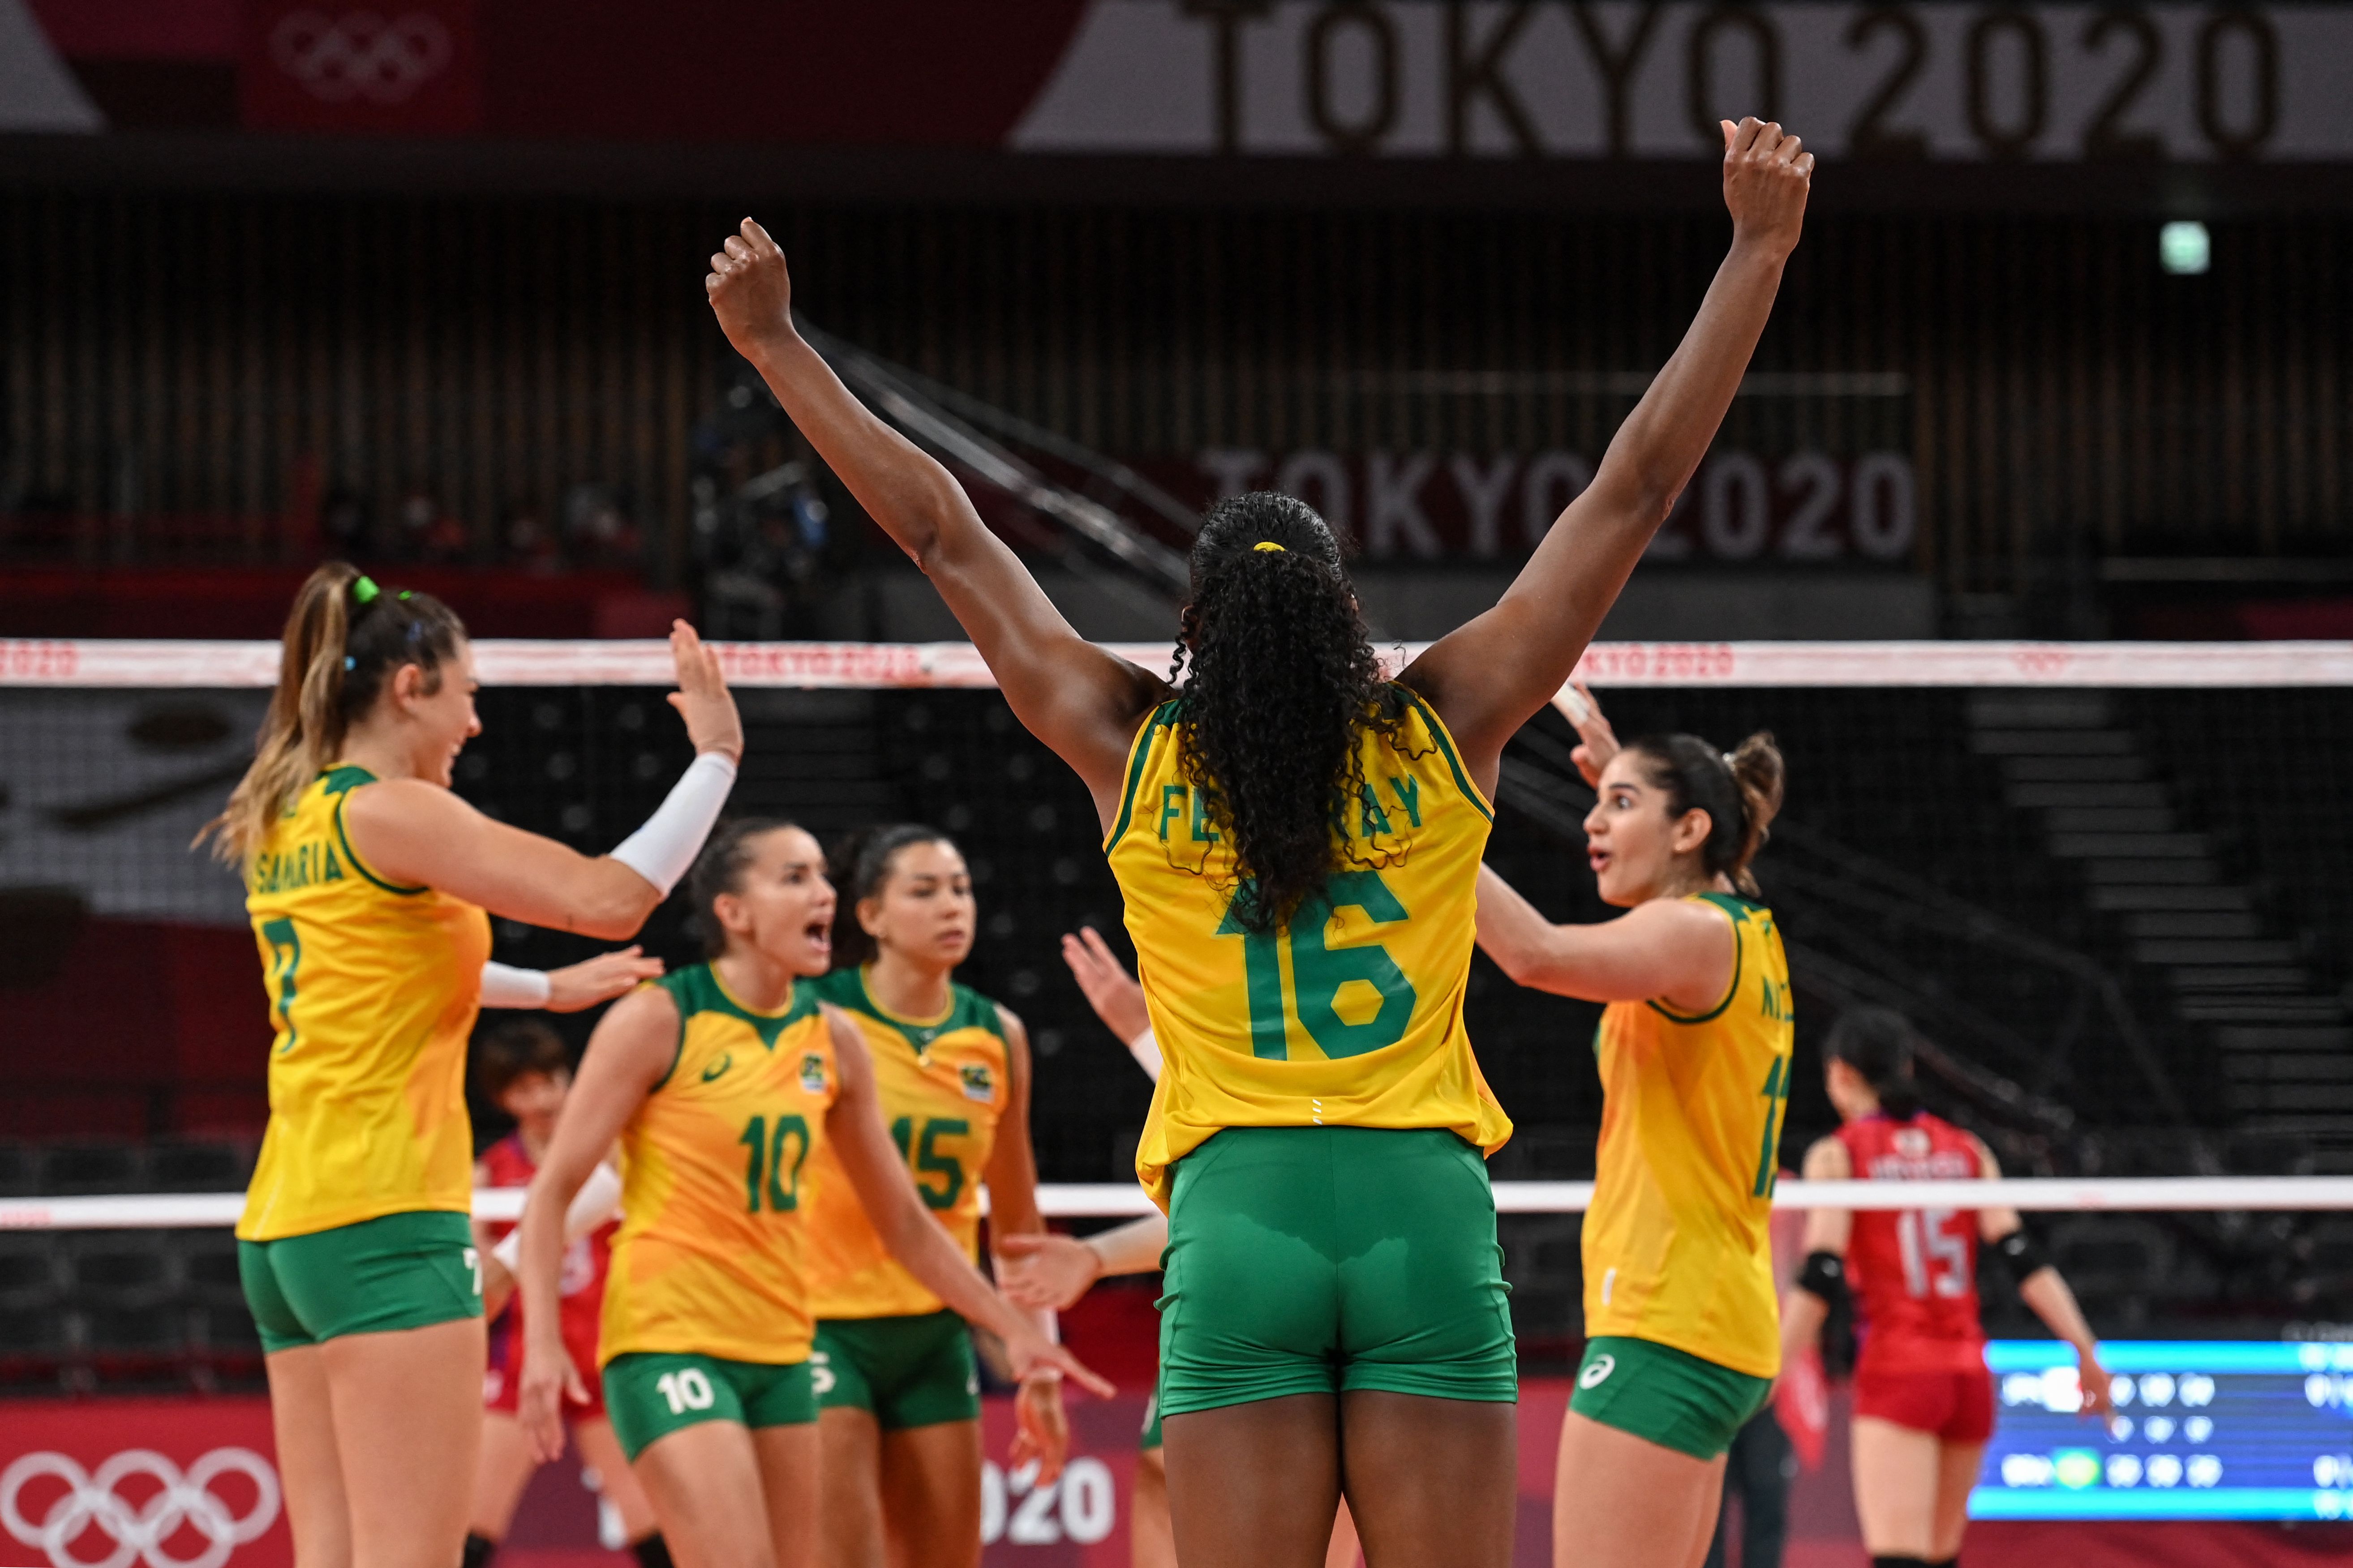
(1878, 1044)
(343, 638)
(1740, 790)
(1283, 683)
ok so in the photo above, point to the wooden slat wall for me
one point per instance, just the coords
(2067, 398)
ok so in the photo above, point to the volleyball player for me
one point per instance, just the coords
(898, 1388)
(723, 1081)
(1055, 1271)
(1924, 1404)
(1682, 1333)
(1297, 841)
(523, 1069)
(367, 879)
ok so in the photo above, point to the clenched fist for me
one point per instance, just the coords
(751, 292)
(1766, 174)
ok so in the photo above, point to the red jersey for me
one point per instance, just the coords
(585, 1261)
(1913, 1272)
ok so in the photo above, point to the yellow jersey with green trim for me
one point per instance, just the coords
(1676, 1249)
(1351, 1015)
(373, 989)
(943, 1083)
(711, 1258)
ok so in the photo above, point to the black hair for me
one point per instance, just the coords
(720, 869)
(859, 866)
(1878, 1043)
(1740, 791)
(515, 1050)
(1282, 683)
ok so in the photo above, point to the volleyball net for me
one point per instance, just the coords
(2105, 880)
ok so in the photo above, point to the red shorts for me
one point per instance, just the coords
(502, 1379)
(1955, 1406)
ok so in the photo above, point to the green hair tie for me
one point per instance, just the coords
(363, 590)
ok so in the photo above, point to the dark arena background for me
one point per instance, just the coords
(2030, 536)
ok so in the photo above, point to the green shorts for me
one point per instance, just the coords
(1664, 1395)
(1150, 1437)
(910, 1371)
(396, 1271)
(1327, 1259)
(652, 1393)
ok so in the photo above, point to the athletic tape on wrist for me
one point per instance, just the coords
(663, 850)
(503, 985)
(1146, 1049)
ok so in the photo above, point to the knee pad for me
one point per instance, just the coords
(478, 1551)
(651, 1552)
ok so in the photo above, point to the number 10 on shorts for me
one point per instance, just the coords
(685, 1389)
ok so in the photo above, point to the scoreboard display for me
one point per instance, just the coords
(2202, 1429)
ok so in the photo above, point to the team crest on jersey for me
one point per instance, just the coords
(813, 1072)
(1911, 1143)
(979, 1083)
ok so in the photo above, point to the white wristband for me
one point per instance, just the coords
(1146, 1048)
(598, 1200)
(505, 985)
(663, 849)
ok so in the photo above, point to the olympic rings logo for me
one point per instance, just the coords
(360, 54)
(139, 1533)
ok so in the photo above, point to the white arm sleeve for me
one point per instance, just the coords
(598, 1200)
(505, 986)
(667, 845)
(1146, 1048)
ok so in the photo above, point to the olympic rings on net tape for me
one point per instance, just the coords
(140, 1533)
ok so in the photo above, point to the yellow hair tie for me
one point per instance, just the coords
(1267, 545)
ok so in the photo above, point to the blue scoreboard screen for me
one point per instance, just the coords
(2202, 1430)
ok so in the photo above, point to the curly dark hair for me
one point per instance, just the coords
(1283, 681)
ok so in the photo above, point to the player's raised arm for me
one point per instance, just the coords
(1083, 702)
(887, 1192)
(1487, 677)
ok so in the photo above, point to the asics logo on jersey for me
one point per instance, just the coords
(94, 1501)
(720, 1066)
(1596, 1372)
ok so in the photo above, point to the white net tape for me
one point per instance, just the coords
(98, 664)
(1108, 1200)
(54, 662)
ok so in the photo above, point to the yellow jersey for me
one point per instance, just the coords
(1350, 1015)
(711, 1256)
(373, 988)
(943, 1083)
(1676, 1249)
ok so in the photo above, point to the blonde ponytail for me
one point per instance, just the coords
(341, 638)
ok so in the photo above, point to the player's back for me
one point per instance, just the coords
(1912, 1272)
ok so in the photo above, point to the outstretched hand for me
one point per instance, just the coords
(599, 979)
(1597, 742)
(1109, 989)
(1766, 174)
(1045, 1268)
(751, 290)
(703, 699)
